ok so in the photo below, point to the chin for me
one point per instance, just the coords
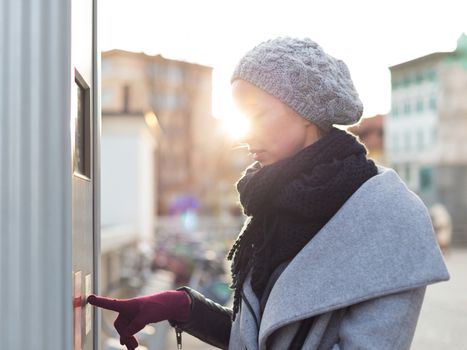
(265, 162)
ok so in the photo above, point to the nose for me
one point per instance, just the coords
(246, 135)
(246, 138)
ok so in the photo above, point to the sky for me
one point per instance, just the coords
(370, 36)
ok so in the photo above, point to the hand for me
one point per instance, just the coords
(136, 313)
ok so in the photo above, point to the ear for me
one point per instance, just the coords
(312, 128)
(309, 124)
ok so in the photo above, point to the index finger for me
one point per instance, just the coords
(106, 303)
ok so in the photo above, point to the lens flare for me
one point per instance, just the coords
(235, 126)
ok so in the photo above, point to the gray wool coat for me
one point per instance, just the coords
(362, 277)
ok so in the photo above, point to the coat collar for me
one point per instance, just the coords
(380, 242)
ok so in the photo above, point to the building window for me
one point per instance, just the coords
(407, 107)
(430, 74)
(395, 110)
(407, 81)
(420, 105)
(426, 178)
(175, 74)
(433, 104)
(155, 70)
(419, 78)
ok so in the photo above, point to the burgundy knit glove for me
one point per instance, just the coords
(136, 313)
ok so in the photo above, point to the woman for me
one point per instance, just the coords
(336, 252)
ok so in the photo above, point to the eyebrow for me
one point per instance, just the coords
(256, 107)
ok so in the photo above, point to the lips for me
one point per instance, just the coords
(256, 154)
(256, 151)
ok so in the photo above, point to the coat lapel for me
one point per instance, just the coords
(247, 324)
(381, 241)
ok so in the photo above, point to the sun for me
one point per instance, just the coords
(235, 125)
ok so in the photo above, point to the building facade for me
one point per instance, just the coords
(191, 144)
(370, 132)
(426, 130)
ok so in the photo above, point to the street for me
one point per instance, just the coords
(443, 320)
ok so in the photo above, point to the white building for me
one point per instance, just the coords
(426, 130)
(128, 192)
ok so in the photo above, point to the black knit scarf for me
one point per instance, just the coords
(289, 201)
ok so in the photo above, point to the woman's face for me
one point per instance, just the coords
(275, 130)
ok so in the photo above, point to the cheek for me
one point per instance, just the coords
(285, 140)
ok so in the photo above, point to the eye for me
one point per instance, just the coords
(257, 116)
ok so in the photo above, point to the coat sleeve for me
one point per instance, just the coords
(383, 323)
(209, 321)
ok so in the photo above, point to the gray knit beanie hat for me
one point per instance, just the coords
(300, 74)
